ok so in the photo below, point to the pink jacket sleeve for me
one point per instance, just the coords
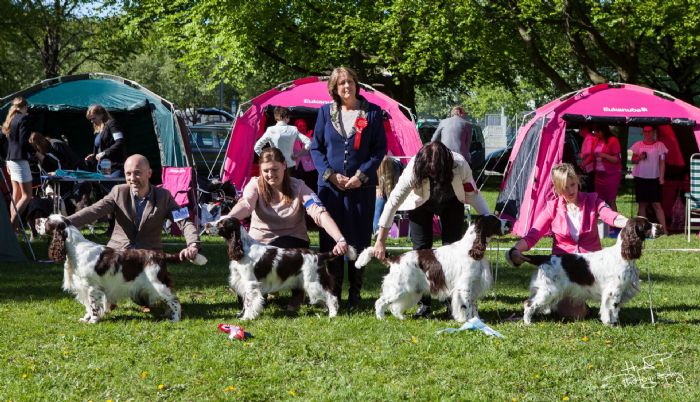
(605, 213)
(541, 226)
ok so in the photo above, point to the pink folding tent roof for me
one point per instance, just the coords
(311, 92)
(540, 142)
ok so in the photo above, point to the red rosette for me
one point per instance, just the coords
(360, 124)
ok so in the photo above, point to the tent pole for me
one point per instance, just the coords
(21, 222)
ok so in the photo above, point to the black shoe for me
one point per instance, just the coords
(422, 312)
(354, 301)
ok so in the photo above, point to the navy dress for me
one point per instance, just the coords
(352, 210)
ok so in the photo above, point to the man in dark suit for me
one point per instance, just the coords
(140, 210)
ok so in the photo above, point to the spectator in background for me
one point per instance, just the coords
(587, 163)
(348, 146)
(52, 154)
(17, 130)
(649, 159)
(109, 140)
(387, 175)
(455, 132)
(608, 167)
(305, 169)
(282, 136)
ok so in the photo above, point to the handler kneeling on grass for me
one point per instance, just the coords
(572, 217)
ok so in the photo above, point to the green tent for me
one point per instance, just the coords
(10, 250)
(150, 125)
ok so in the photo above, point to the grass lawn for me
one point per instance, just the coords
(46, 354)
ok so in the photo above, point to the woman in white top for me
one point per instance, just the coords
(436, 181)
(282, 136)
(649, 159)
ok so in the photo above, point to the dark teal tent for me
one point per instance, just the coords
(10, 250)
(149, 122)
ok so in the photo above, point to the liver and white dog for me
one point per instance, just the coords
(258, 269)
(100, 276)
(458, 271)
(609, 275)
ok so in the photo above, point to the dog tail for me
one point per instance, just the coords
(175, 259)
(329, 256)
(365, 257)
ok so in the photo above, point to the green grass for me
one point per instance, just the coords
(46, 354)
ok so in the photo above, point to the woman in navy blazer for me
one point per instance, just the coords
(348, 145)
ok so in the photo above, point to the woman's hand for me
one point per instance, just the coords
(338, 180)
(353, 182)
(90, 157)
(379, 250)
(341, 247)
(516, 257)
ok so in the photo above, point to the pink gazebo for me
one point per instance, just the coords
(304, 96)
(541, 142)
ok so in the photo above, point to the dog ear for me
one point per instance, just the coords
(57, 248)
(235, 246)
(479, 247)
(631, 239)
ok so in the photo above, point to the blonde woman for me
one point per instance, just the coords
(17, 129)
(109, 139)
(572, 218)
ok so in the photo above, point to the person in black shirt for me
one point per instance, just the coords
(109, 140)
(17, 129)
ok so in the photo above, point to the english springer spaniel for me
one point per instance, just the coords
(609, 275)
(258, 269)
(100, 276)
(458, 271)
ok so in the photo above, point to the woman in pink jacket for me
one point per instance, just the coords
(572, 218)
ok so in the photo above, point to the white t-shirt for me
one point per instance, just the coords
(649, 168)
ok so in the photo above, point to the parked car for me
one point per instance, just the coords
(497, 160)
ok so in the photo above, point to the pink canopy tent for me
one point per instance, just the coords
(304, 96)
(549, 137)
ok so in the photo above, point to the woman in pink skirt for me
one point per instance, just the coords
(608, 168)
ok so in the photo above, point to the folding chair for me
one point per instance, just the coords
(692, 199)
(178, 180)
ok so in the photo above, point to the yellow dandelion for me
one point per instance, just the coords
(229, 388)
(414, 339)
(143, 375)
(585, 338)
(25, 375)
(109, 400)
(590, 366)
(514, 400)
(565, 398)
(537, 376)
(292, 392)
(161, 386)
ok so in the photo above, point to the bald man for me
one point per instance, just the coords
(140, 210)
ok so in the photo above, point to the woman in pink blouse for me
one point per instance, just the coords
(572, 218)
(603, 155)
(277, 205)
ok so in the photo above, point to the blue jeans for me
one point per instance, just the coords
(378, 208)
